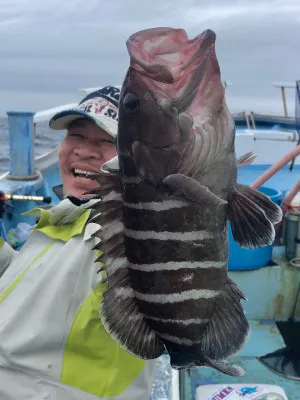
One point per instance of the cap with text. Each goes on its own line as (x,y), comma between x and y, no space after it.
(100,106)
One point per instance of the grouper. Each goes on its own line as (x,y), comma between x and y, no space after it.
(166,200)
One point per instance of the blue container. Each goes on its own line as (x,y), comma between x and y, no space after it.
(244,259)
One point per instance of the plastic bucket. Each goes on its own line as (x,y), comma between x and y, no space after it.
(248,259)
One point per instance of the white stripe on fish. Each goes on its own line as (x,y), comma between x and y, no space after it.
(177,297)
(175,339)
(115,264)
(164,205)
(111,196)
(166,235)
(124,292)
(175,265)
(112,229)
(178,321)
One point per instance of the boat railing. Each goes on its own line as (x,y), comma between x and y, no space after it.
(272,171)
(283,86)
(276,167)
(249,117)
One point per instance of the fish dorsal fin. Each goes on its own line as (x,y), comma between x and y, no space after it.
(119,311)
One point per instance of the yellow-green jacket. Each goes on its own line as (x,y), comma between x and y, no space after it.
(52,342)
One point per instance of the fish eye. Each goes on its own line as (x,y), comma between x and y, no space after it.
(131,103)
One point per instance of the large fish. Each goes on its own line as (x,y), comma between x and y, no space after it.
(165,208)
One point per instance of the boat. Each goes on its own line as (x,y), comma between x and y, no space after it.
(269,276)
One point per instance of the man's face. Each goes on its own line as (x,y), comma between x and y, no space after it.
(85,148)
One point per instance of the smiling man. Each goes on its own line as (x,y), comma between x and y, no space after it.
(91,129)
(85,147)
(53,345)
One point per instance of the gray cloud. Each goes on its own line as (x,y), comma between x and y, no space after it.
(50,48)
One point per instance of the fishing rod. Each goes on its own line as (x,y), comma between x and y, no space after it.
(8,196)
(6,208)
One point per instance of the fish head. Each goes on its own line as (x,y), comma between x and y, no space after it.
(172,82)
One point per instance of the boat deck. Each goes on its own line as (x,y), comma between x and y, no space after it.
(264,338)
(263,308)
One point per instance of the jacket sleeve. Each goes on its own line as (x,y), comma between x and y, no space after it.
(7,254)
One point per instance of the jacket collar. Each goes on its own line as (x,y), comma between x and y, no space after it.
(64,220)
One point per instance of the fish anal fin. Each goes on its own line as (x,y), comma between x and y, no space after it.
(188,188)
(227,331)
(252,216)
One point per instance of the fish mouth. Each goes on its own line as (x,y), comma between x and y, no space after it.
(172,65)
(166,54)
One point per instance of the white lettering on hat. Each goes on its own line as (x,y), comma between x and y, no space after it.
(99,106)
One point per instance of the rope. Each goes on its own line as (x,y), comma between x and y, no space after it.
(25,178)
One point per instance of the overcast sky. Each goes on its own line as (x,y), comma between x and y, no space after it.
(51,48)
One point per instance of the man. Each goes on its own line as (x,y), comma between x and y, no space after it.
(52,342)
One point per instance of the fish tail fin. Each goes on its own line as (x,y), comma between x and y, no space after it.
(253,215)
(227,331)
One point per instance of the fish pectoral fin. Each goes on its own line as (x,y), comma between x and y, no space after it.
(246,159)
(227,330)
(252,215)
(184,186)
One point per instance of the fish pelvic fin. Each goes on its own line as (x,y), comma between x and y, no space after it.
(227,331)
(253,215)
(184,186)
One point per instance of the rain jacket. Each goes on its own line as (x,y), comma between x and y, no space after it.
(52,342)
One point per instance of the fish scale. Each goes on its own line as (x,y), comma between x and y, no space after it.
(165,202)
(166,231)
